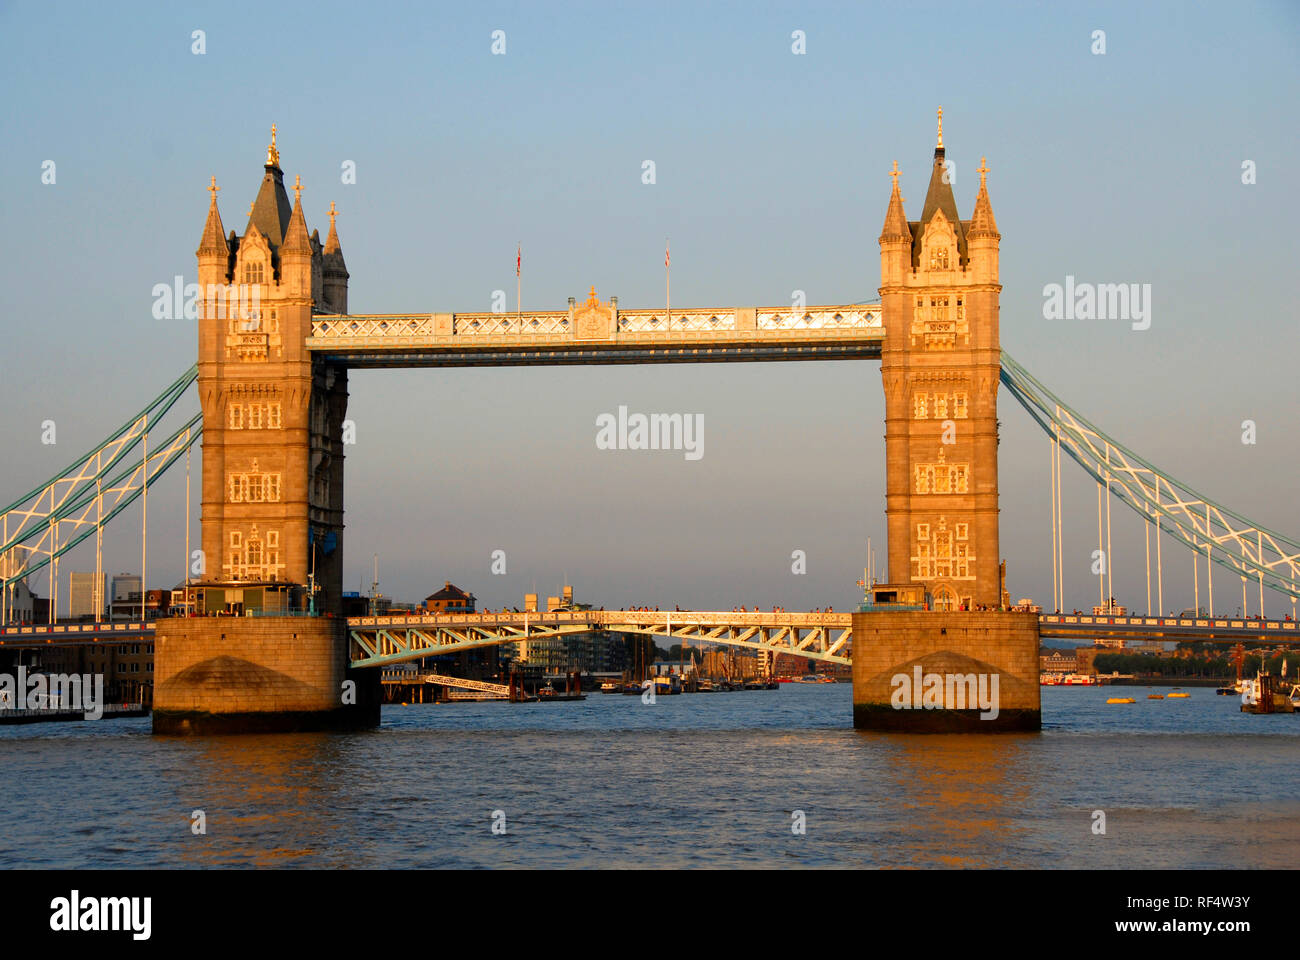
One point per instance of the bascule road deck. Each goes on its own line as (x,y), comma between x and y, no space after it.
(597,332)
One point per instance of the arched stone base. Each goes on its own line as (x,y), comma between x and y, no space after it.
(258,675)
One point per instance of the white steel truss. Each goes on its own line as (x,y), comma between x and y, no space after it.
(53,518)
(379,641)
(1254,553)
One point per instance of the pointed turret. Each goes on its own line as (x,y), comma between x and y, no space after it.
(335,270)
(895,219)
(296,238)
(983,233)
(214,250)
(296,253)
(982,223)
(213,241)
(895,238)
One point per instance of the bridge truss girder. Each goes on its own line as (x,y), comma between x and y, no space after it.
(814,643)
(1253,552)
(379,644)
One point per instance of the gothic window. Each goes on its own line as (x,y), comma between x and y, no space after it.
(255,488)
(943,554)
(959,406)
(923,531)
(236,540)
(253,272)
(963,531)
(918,406)
(236,416)
(939,258)
(273,416)
(961,309)
(941,477)
(253,553)
(941,406)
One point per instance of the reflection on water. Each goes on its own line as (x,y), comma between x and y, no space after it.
(706,780)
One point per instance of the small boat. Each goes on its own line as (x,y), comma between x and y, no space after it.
(1120,700)
(1179,696)
(1155,696)
(609,686)
(548,694)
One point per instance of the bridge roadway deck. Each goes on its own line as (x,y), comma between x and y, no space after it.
(817,635)
(693,335)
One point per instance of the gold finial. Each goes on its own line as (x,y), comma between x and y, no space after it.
(895,173)
(251,205)
(941,126)
(333,213)
(297,188)
(592,297)
(272,152)
(214,189)
(982,171)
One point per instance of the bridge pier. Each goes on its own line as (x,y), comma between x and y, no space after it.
(939,672)
(259,675)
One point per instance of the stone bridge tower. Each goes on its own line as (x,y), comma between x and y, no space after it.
(272,515)
(940,367)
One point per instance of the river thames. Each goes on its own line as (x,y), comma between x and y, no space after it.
(690,781)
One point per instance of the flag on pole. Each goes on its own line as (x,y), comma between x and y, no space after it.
(519,259)
(665,253)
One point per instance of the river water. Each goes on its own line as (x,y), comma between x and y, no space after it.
(689,781)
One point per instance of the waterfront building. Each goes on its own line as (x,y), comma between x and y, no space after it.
(1051,660)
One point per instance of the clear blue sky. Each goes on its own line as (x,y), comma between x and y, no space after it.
(771,177)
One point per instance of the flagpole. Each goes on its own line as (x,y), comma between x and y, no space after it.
(519,267)
(668,286)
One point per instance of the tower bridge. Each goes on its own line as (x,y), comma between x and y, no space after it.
(273,391)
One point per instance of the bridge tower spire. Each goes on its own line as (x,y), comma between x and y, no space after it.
(272,416)
(939,368)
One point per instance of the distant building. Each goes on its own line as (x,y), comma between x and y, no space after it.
(450,599)
(125,602)
(20,604)
(19,601)
(126,586)
(730,664)
(788,665)
(86,595)
(1051,660)
(596,652)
